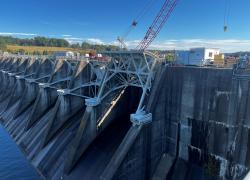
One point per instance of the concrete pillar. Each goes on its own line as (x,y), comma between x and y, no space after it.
(66,107)
(121,152)
(86,132)
(45,100)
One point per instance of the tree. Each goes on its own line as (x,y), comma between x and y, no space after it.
(77,45)
(21,51)
(36,53)
(169,57)
(45,52)
(2,45)
(53,42)
(86,45)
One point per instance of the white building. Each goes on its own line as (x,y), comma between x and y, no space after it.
(5,53)
(99,55)
(196,56)
(64,54)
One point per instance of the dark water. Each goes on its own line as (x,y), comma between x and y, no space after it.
(13,165)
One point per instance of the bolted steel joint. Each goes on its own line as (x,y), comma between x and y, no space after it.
(92,102)
(141,118)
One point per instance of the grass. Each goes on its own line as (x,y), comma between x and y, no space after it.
(41,49)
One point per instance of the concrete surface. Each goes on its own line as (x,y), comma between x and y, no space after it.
(200,127)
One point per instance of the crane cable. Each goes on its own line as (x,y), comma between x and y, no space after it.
(137,20)
(227,13)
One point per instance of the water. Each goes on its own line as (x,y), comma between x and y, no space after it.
(13,165)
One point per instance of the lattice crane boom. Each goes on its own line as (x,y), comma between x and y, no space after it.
(157,24)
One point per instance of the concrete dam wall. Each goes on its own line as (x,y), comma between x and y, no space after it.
(199,129)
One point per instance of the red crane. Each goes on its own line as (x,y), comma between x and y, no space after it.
(157,24)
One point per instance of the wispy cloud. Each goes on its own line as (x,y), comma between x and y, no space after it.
(17,34)
(66,35)
(226,45)
(95,41)
(73,40)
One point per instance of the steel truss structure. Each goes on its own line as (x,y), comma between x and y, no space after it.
(127,68)
(89,89)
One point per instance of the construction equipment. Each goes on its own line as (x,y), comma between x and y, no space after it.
(158,24)
(134,24)
(226,14)
(122,38)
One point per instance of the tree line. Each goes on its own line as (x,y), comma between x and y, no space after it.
(52,42)
(36,41)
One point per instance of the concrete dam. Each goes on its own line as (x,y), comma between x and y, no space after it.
(130,117)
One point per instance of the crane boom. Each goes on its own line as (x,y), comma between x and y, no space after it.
(157,24)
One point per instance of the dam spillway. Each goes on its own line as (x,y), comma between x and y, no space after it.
(199,127)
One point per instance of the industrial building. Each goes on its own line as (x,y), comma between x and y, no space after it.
(65,54)
(196,56)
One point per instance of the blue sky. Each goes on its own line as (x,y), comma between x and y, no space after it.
(193,23)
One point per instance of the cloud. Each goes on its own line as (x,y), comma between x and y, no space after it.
(17,34)
(95,41)
(66,35)
(226,45)
(74,40)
